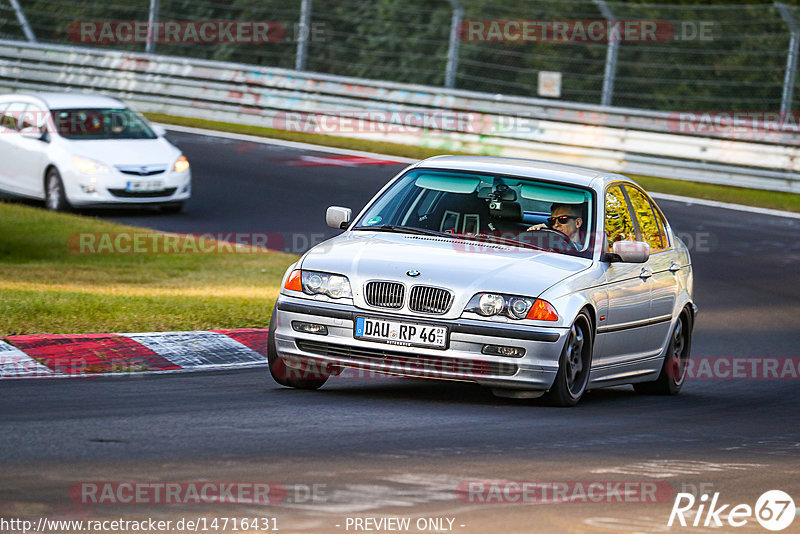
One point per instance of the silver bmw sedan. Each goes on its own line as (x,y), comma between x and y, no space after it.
(531,278)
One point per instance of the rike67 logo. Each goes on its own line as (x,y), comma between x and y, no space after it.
(774,510)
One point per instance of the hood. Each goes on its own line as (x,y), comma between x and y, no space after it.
(114,152)
(466,267)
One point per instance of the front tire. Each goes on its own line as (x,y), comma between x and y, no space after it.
(55,198)
(283,374)
(574,365)
(676,361)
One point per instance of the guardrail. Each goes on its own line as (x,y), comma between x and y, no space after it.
(615,139)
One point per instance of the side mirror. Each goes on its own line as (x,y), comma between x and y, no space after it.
(338,217)
(38,135)
(630,252)
(158,130)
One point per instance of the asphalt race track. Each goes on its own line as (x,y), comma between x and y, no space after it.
(400,448)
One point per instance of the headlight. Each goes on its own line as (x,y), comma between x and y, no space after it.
(490,304)
(89,166)
(514,307)
(182,165)
(316,283)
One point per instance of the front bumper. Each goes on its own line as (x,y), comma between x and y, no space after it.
(462,360)
(110,189)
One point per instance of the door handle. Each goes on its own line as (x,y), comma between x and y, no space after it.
(646,273)
(674,268)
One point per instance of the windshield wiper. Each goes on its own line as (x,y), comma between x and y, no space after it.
(404,230)
(499,239)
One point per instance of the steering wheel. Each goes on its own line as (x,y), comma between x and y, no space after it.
(561,235)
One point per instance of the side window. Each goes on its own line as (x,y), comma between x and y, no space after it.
(11,116)
(650,224)
(618,223)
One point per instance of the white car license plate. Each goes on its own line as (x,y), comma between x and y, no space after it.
(145,186)
(401,333)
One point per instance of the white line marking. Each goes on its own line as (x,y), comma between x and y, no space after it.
(726,205)
(16,364)
(671,468)
(399,159)
(198,349)
(288,144)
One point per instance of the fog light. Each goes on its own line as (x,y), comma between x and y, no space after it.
(310,328)
(88,189)
(500,350)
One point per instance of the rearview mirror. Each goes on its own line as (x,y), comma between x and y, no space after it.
(338,217)
(631,251)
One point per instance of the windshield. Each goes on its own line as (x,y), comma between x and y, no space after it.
(508,209)
(85,124)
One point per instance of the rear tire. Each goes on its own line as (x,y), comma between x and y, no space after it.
(676,360)
(574,365)
(282,374)
(55,199)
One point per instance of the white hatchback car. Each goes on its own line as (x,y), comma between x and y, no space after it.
(72,149)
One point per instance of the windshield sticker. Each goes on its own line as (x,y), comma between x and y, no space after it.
(373,220)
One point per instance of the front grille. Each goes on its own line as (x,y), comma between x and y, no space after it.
(385,294)
(428,299)
(141,171)
(411,365)
(142,194)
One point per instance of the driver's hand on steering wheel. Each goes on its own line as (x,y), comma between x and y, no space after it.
(540,226)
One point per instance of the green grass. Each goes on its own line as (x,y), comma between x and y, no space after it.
(736,195)
(45,287)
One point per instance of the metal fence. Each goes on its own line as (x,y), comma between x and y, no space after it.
(614,139)
(703,56)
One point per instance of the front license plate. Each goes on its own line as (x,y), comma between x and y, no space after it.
(401,333)
(141,187)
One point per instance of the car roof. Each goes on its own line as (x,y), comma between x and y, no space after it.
(529,168)
(68,100)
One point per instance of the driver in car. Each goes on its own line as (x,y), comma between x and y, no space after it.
(565,218)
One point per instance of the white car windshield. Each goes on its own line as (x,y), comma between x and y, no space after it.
(85,124)
(513,210)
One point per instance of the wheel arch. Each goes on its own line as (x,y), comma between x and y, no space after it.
(592,313)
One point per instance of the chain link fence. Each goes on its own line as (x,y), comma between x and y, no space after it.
(700,56)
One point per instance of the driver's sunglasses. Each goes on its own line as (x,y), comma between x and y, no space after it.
(562,219)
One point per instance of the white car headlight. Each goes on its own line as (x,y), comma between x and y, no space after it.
(181,165)
(89,166)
